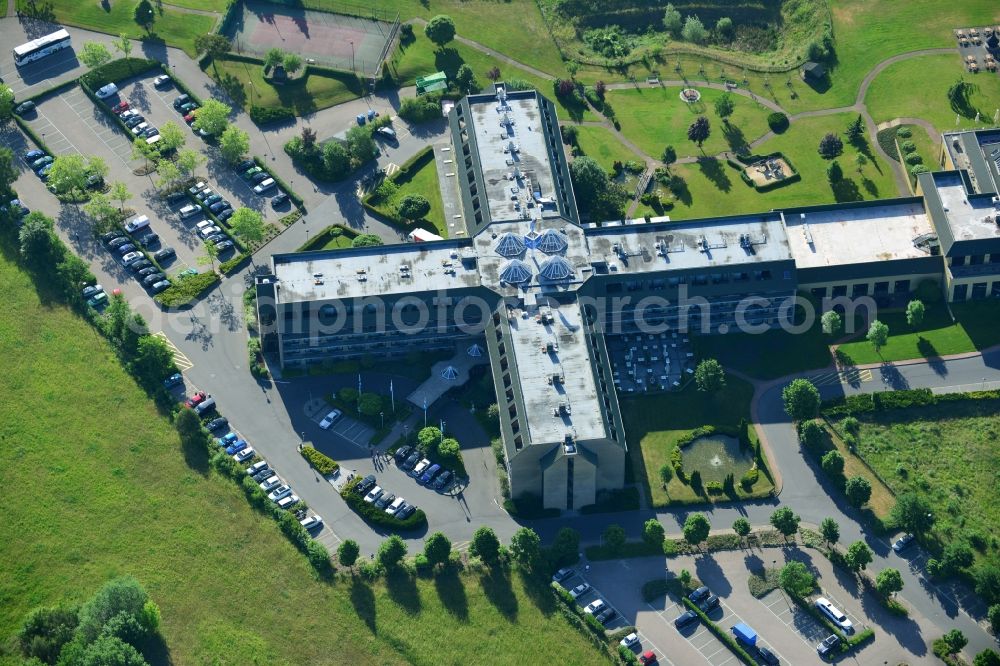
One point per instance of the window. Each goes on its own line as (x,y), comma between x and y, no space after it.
(901,287)
(860,289)
(979,291)
(960,292)
(976,259)
(787,275)
(882,287)
(819,292)
(958,261)
(995,293)
(840,290)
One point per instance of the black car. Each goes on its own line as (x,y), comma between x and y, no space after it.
(148,270)
(110,236)
(24,108)
(149,240)
(176,197)
(118,241)
(224,246)
(686,618)
(411,462)
(767,656)
(405,511)
(225,214)
(165,253)
(217,424)
(217,238)
(607,615)
(141,264)
(152,131)
(699,594)
(260,176)
(132,121)
(159,286)
(443,480)
(181,101)
(219,206)
(365,484)
(709,604)
(402,452)
(279,200)
(153,278)
(244,166)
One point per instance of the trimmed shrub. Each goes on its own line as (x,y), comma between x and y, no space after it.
(116,70)
(904,132)
(778,122)
(913,158)
(321,463)
(908,146)
(186,290)
(263,115)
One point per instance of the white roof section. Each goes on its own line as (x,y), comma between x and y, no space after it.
(514,158)
(548,343)
(969,220)
(857,235)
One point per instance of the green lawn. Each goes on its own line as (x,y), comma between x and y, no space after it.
(654,423)
(245,83)
(600,144)
(918,88)
(114,494)
(948,454)
(174,27)
(654,118)
(974,329)
(423,181)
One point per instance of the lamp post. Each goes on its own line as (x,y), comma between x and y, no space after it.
(352,56)
(382,416)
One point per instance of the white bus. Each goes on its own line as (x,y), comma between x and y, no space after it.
(41,47)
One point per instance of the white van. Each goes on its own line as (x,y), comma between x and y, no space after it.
(188,211)
(106,91)
(136,223)
(264,186)
(835,615)
(153,140)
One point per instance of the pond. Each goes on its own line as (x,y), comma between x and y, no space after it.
(715,456)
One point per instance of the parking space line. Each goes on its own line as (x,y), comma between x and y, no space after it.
(180,360)
(81,101)
(52,129)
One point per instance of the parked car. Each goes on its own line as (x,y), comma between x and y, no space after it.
(263,475)
(188,108)
(133,121)
(259,177)
(395,506)
(606,615)
(288,502)
(153,278)
(43,173)
(196,188)
(629,641)
(224,245)
(132,257)
(595,606)
(219,206)
(385,500)
(212,198)
(386,133)
(410,461)
(365,484)
(264,186)
(443,480)
(150,133)
(903,542)
(270,483)
(827,647)
(420,468)
(330,419)
(709,604)
(311,523)
(119,107)
(579,590)
(244,165)
(203,194)
(24,108)
(136,223)
(117,242)
(181,101)
(140,128)
(244,455)
(836,615)
(647,658)
(224,214)
(173,380)
(189,118)
(175,198)
(140,264)
(279,200)
(374,494)
(159,286)
(257,468)
(128,113)
(562,574)
(106,91)
(249,173)
(217,424)
(208,231)
(94,181)
(41,162)
(699,594)
(97,300)
(126,248)
(685,618)
(402,452)
(162,81)
(405,511)
(165,253)
(197,398)
(215,238)
(149,240)
(227,439)
(767,656)
(32,155)
(91,290)
(149,270)
(280,493)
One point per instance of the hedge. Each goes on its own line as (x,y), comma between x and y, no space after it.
(321,463)
(116,70)
(414,163)
(49,91)
(902,399)
(847,643)
(794,178)
(234,264)
(324,237)
(263,115)
(180,85)
(586,623)
(721,634)
(186,290)
(296,199)
(37,140)
(372,514)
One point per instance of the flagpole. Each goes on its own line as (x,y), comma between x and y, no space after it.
(392,396)
(359,393)
(425,412)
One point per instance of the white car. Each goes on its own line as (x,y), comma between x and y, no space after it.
(106,91)
(630,640)
(835,614)
(136,223)
(244,455)
(201,224)
(374,494)
(270,484)
(420,468)
(579,590)
(141,127)
(311,523)
(211,229)
(264,186)
(288,502)
(280,493)
(330,419)
(257,468)
(396,505)
(131,258)
(595,606)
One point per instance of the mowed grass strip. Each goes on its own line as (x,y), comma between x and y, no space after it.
(424,181)
(316,90)
(604,147)
(105,490)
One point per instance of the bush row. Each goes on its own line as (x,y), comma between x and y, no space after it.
(723,635)
(296,199)
(181,86)
(186,290)
(58,88)
(323,464)
(37,140)
(264,115)
(117,70)
(327,235)
(586,623)
(372,514)
(902,399)
(234,264)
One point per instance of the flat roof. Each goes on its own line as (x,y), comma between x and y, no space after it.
(970,218)
(532,328)
(840,236)
(380,271)
(492,263)
(512,177)
(695,244)
(977,152)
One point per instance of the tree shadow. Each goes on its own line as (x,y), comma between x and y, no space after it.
(363,600)
(452,593)
(713,169)
(707,569)
(846,189)
(496,585)
(233,87)
(156,651)
(736,139)
(870,187)
(403,590)
(536,586)
(448,61)
(930,352)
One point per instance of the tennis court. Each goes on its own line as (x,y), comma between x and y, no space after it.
(356,40)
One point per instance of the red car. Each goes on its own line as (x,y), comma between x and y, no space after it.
(196,399)
(119,107)
(647,657)
(189,118)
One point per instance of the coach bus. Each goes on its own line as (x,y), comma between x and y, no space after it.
(41,47)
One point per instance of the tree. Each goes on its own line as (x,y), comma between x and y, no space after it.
(391,552)
(366,240)
(669,155)
(213,116)
(485,545)
(987,577)
(830,146)
(361,145)
(6,102)
(742,527)
(811,434)
(878,334)
(144,14)
(858,556)
(888,582)
(588,178)
(526,548)
(957,555)
(234,144)
(601,88)
(96,166)
(699,130)
(308,138)
(144,151)
(119,192)
(414,207)
(858,490)
(493,74)
(292,63)
(724,28)
(449,448)
(566,547)
(696,528)
(796,579)
(785,521)
(336,160)
(915,313)
(211,254)
(119,595)
(171,136)
(709,376)
(347,552)
(153,360)
(100,209)
(167,173)
(124,45)
(614,537)
(188,159)
(248,225)
(466,81)
(36,239)
(694,30)
(440,30)
(45,631)
(653,533)
(211,45)
(437,549)
(831,323)
(860,161)
(94,54)
(672,21)
(724,106)
(273,57)
(834,173)
(801,398)
(955,640)
(666,473)
(108,650)
(68,173)
(830,531)
(987,657)
(833,464)
(993,614)
(856,129)
(428,438)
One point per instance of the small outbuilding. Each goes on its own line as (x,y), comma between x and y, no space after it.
(813,71)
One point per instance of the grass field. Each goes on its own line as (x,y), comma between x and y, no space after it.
(600,144)
(918,88)
(114,494)
(656,422)
(882,499)
(245,83)
(974,329)
(929,149)
(423,181)
(948,454)
(174,27)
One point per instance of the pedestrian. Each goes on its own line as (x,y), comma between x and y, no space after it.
(587,568)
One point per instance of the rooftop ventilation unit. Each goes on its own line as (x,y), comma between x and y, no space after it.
(555,268)
(509,245)
(515,271)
